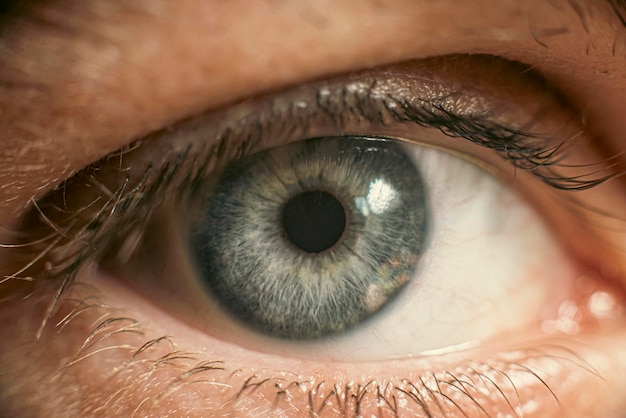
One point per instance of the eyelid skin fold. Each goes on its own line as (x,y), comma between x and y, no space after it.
(103,210)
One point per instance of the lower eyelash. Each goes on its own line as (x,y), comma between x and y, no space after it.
(469,389)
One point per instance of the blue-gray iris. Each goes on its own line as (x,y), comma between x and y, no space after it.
(309,239)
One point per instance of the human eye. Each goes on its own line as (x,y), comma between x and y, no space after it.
(173,223)
(345,152)
(479,208)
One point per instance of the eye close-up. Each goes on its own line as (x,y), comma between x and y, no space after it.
(423,220)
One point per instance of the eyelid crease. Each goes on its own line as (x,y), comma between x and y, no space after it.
(108,203)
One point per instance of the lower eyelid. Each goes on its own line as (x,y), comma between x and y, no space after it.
(123,360)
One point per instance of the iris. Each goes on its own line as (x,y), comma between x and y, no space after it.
(310,239)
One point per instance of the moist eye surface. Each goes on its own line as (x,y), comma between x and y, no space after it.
(310,239)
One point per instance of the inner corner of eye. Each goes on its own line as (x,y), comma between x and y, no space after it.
(352,243)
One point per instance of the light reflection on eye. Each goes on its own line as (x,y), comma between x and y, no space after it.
(150,185)
(378,199)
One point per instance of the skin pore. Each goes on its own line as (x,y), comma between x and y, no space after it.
(81,79)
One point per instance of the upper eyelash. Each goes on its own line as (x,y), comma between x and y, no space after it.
(114,212)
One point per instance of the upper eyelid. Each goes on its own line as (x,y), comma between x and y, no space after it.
(365,100)
(457,110)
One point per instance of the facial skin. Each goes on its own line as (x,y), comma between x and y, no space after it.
(80,80)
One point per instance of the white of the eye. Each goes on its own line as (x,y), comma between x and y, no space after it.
(491,266)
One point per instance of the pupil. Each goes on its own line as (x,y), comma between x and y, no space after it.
(314,221)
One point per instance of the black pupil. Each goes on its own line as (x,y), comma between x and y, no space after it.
(314,221)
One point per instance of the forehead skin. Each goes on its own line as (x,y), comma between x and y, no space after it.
(103,73)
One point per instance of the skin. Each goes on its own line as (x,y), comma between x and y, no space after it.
(75,95)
